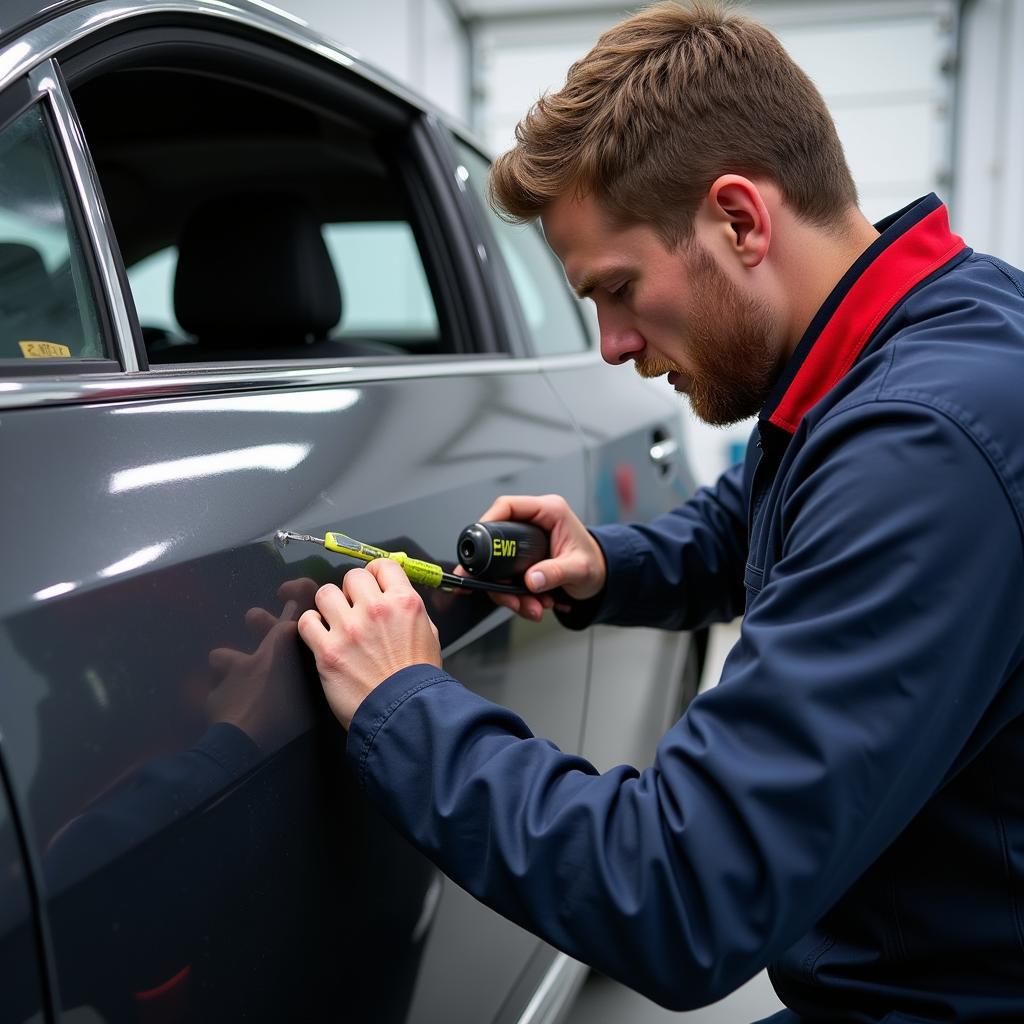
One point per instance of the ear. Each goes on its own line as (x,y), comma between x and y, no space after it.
(736,205)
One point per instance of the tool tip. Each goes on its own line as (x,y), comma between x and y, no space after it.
(281,538)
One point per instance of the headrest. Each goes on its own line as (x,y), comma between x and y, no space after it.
(253,269)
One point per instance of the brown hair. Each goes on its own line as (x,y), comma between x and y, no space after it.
(667,101)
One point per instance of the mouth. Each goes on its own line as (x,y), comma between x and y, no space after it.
(677,380)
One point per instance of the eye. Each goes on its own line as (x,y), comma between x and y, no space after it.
(622,291)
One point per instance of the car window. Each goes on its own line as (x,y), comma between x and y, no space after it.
(385,294)
(549,306)
(257,228)
(47,309)
(386,290)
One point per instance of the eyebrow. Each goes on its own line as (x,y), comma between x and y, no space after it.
(586,286)
(593,280)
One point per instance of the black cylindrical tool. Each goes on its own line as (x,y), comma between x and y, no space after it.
(501,550)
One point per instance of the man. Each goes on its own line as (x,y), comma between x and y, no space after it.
(846,805)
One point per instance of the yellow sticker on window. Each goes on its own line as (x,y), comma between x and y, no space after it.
(44,350)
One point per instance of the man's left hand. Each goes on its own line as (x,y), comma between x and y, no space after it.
(366,630)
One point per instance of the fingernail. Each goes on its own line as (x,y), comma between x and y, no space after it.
(538,580)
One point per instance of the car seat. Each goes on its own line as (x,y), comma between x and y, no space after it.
(26,299)
(255,281)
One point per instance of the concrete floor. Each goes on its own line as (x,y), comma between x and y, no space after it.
(602,1001)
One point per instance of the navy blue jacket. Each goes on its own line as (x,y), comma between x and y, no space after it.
(847,805)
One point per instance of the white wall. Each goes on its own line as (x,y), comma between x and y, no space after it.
(421,43)
(989,197)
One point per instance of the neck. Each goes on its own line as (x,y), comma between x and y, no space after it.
(816,263)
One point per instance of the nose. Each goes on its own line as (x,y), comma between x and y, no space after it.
(620,343)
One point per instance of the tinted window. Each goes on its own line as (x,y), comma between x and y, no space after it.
(258,228)
(549,306)
(47,309)
(384,291)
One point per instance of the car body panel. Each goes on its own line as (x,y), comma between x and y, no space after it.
(640,679)
(153,537)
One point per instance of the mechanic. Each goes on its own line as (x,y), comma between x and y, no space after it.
(846,806)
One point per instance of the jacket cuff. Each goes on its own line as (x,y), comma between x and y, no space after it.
(622,559)
(380,704)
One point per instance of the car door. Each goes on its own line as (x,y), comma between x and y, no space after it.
(204,851)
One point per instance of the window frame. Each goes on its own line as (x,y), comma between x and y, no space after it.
(77,28)
(509,294)
(32,90)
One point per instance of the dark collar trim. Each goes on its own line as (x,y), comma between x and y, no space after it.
(915,243)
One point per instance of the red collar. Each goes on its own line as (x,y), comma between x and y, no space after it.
(914,244)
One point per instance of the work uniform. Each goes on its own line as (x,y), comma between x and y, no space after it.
(847,805)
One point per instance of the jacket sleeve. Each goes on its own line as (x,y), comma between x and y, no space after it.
(683,570)
(864,666)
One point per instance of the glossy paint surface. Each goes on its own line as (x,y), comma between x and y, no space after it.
(149,544)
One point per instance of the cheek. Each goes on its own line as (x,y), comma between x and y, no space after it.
(668,326)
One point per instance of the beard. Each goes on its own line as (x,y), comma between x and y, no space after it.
(732,369)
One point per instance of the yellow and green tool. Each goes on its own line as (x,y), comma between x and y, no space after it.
(419,571)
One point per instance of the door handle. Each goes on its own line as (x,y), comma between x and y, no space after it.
(663,451)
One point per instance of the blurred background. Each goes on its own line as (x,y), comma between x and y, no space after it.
(927,95)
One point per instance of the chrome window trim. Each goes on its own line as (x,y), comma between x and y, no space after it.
(45,84)
(32,54)
(31,392)
(43,42)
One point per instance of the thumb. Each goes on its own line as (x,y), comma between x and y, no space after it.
(553,572)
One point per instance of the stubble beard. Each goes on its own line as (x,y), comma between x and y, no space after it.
(732,365)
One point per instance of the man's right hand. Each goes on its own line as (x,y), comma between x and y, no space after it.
(576,562)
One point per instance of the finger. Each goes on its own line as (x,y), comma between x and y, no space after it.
(388,574)
(360,585)
(260,621)
(311,628)
(332,604)
(514,506)
(290,611)
(553,572)
(510,601)
(531,608)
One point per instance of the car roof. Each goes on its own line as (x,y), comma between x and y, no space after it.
(16,15)
(20,16)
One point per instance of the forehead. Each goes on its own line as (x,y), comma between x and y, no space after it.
(573,223)
(590,242)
